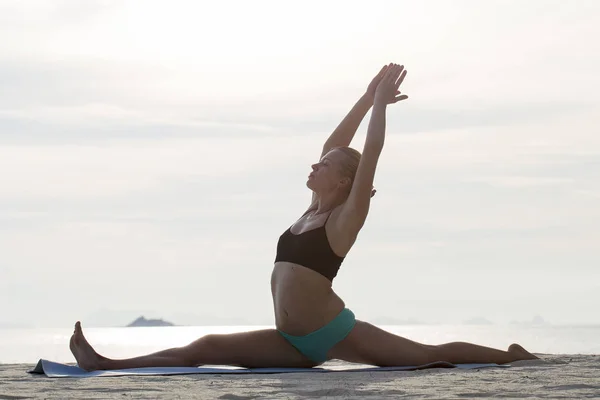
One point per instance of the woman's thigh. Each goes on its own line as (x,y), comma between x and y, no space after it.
(260,348)
(367,344)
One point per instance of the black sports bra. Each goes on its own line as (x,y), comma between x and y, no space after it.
(309,249)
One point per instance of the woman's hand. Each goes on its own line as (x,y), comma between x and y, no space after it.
(375,82)
(387,90)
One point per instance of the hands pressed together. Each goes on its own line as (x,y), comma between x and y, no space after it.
(383,89)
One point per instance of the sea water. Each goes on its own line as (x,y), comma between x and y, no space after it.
(29,345)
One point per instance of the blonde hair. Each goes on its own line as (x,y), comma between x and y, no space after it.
(349,167)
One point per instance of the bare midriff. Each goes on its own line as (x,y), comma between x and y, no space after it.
(304,300)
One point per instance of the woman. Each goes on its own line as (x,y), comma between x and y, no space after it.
(313,324)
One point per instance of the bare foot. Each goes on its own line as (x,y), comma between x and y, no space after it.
(86,356)
(520,353)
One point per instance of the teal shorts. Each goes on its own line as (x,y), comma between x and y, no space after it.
(317,344)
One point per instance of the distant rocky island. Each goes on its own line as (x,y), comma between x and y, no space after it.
(141,321)
(397,321)
(536,321)
(478,321)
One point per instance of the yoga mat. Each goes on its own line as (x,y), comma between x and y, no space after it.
(56,370)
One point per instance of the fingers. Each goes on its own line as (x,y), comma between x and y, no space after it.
(401,79)
(384,71)
(393,76)
(392,73)
(389,72)
(381,72)
(397,72)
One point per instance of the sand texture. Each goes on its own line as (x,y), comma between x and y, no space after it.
(552,377)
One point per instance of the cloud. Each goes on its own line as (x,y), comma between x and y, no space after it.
(520,181)
(129,69)
(155,167)
(37,80)
(591,193)
(108,116)
(93,122)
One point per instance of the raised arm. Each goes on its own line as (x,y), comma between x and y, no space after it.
(345,131)
(355,209)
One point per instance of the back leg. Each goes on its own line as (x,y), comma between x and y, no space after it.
(367,344)
(260,348)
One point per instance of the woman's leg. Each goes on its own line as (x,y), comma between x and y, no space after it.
(368,344)
(261,348)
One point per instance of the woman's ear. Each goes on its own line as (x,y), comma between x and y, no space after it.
(345,182)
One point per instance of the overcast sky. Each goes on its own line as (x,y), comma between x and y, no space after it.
(152,152)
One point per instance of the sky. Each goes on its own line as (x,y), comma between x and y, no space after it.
(151,153)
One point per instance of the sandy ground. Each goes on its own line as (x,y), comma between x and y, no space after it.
(553,377)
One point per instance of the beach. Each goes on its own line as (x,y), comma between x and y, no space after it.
(551,377)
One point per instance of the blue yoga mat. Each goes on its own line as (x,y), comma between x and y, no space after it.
(56,370)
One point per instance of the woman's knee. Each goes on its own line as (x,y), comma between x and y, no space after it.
(447,351)
(209,343)
(202,350)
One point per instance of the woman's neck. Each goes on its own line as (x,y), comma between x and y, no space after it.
(327,202)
